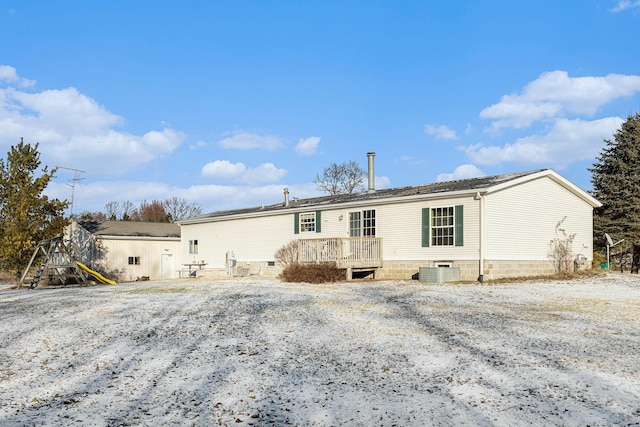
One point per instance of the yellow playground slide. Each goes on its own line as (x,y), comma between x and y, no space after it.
(95,274)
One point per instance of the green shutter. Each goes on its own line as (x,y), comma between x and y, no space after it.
(296,223)
(318,221)
(459,221)
(426,227)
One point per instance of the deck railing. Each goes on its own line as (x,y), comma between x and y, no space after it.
(347,252)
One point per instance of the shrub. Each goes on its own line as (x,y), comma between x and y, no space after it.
(288,254)
(313,273)
(561,250)
(598,258)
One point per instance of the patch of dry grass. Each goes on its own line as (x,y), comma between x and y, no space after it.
(160,290)
(582,274)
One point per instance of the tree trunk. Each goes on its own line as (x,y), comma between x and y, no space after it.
(635,260)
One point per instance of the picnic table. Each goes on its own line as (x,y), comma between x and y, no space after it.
(193,267)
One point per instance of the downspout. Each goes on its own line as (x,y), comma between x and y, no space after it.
(481,233)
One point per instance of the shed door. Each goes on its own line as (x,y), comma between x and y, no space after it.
(166,266)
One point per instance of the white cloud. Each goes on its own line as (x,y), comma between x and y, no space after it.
(241,140)
(74,131)
(266,172)
(8,74)
(198,144)
(381,181)
(223,169)
(94,196)
(111,151)
(412,160)
(66,109)
(567,141)
(555,94)
(308,146)
(469,129)
(440,132)
(461,172)
(624,5)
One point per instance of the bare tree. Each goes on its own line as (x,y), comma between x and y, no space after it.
(169,210)
(112,210)
(128,210)
(341,178)
(178,209)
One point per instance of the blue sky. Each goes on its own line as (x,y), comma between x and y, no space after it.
(225,103)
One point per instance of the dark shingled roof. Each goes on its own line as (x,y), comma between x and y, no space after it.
(438,187)
(131,228)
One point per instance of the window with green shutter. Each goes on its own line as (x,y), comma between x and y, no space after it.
(443,226)
(306,222)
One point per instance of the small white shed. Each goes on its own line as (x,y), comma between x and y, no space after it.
(130,250)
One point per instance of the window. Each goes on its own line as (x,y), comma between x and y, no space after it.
(443,226)
(134,260)
(193,247)
(362,223)
(355,226)
(369,223)
(308,222)
(445,264)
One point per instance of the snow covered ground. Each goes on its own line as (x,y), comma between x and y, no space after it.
(257,352)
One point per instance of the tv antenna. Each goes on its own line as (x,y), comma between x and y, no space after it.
(610,244)
(74,180)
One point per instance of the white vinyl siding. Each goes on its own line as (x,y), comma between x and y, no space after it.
(521,220)
(147,253)
(250,239)
(400,227)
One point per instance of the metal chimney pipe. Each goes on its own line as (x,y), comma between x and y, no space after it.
(286,197)
(371,174)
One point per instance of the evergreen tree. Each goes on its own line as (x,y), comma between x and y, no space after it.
(26,215)
(616,184)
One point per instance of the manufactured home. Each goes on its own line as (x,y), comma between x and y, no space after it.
(130,250)
(485,228)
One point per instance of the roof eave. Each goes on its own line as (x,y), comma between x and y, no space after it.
(556,177)
(343,205)
(148,238)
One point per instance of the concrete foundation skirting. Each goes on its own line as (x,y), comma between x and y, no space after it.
(405,270)
(469,270)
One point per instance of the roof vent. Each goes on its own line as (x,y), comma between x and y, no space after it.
(286,197)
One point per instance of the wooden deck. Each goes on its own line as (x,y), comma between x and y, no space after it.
(350,253)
